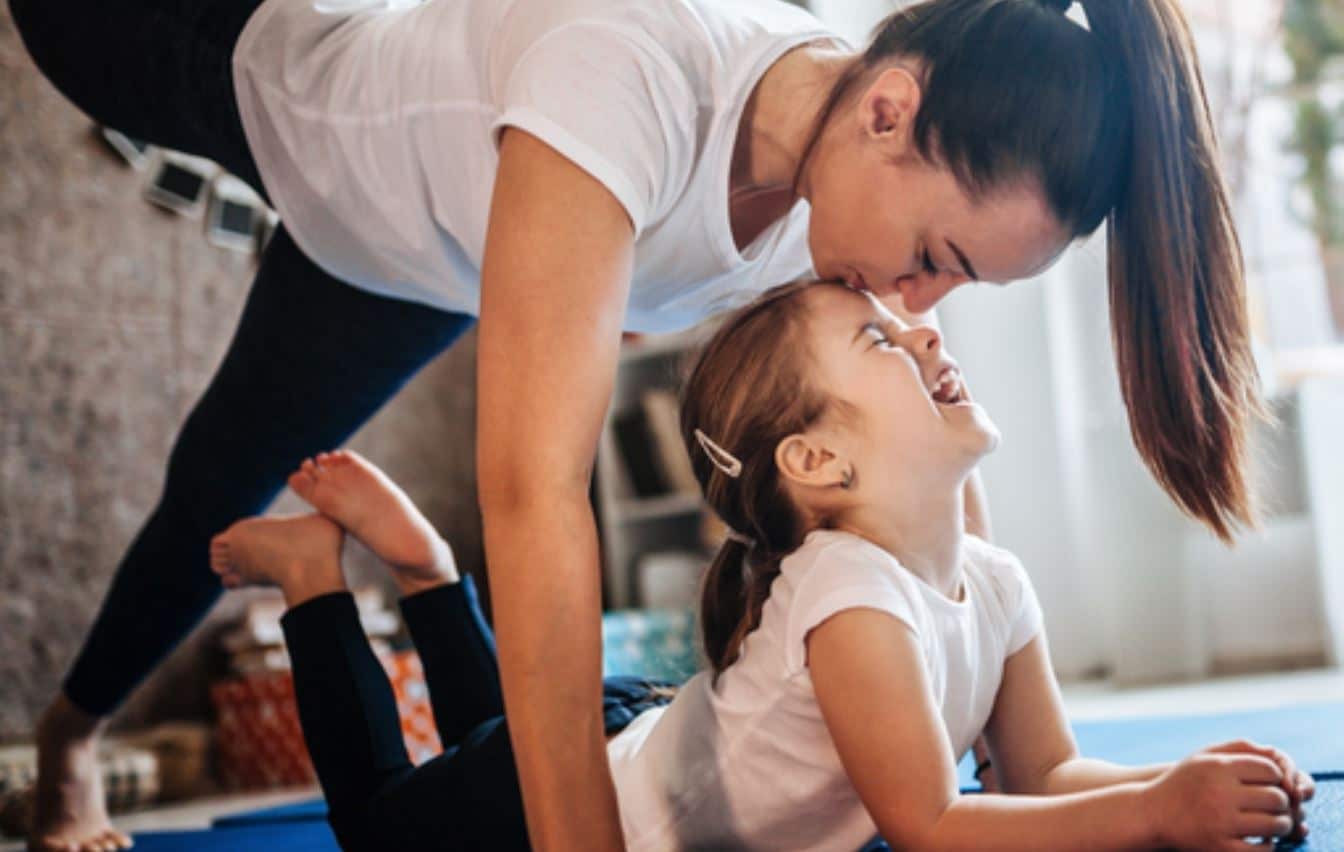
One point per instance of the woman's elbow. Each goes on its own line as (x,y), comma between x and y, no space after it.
(510,481)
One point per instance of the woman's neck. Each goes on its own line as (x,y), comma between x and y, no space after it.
(925,533)
(778,119)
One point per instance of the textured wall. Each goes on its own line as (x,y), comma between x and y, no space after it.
(112,317)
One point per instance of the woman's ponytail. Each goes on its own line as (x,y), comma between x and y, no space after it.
(1111,121)
(1177,288)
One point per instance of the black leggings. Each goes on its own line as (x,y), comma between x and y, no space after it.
(312,358)
(466,798)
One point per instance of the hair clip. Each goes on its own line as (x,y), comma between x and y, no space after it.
(722,459)
(745,540)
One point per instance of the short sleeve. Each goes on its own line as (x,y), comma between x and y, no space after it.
(845,578)
(612,104)
(1027,622)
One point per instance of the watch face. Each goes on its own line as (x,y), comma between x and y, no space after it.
(236,218)
(180,182)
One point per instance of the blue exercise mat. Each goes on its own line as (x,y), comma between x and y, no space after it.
(293,836)
(1311,733)
(312,809)
(1325,817)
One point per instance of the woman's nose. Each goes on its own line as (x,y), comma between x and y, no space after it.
(921,293)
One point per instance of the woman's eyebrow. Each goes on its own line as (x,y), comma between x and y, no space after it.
(963,260)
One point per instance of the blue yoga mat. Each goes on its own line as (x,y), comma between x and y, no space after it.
(313,809)
(292,836)
(1311,733)
(1325,816)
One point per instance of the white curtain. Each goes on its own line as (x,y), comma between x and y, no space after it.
(1130,587)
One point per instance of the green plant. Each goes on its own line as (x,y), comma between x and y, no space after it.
(1313,35)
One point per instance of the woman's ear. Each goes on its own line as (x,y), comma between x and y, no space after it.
(888,108)
(805,460)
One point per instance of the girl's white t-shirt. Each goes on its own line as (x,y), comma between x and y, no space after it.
(748,763)
(375,125)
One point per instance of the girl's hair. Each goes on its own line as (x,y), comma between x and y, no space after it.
(748,390)
(1112,124)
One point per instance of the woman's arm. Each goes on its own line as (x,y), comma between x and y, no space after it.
(555,280)
(868,672)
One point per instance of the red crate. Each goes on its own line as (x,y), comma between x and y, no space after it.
(260,741)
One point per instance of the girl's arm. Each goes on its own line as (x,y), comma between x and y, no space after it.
(1034,750)
(1030,739)
(868,672)
(555,279)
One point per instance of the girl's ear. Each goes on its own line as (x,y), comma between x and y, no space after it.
(887,111)
(804,459)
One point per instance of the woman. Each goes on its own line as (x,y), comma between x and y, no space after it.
(610,165)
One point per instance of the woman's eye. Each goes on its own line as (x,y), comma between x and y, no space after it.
(927,261)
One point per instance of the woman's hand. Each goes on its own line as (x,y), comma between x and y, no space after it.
(1299,786)
(1215,800)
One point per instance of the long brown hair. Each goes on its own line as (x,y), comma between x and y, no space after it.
(747,391)
(1112,123)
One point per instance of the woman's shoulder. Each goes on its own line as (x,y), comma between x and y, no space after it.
(703,42)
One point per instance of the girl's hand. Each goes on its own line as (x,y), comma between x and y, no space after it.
(1299,786)
(1215,800)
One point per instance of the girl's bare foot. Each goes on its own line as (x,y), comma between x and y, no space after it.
(300,553)
(350,490)
(69,811)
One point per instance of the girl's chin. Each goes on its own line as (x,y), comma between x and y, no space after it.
(972,420)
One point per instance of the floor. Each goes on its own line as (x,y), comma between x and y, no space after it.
(1089,700)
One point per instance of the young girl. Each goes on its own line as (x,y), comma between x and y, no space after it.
(858,640)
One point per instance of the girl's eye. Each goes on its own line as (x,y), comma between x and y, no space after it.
(879,337)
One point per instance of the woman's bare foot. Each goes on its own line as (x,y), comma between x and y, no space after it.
(69,810)
(300,553)
(350,490)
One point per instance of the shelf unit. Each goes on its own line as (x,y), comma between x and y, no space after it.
(631,526)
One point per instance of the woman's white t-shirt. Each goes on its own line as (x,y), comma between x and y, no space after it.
(747,762)
(375,123)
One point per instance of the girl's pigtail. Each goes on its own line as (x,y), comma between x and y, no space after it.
(723,603)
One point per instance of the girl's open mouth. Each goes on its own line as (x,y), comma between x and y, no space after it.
(947,389)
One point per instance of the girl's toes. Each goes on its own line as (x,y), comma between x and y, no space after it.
(300,481)
(310,468)
(340,457)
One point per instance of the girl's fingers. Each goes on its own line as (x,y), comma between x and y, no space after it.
(1271,800)
(1306,786)
(1254,769)
(1252,824)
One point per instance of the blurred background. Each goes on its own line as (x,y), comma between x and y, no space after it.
(113,313)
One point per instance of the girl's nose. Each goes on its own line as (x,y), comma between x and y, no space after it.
(923,340)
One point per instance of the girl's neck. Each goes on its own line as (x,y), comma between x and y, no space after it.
(926,534)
